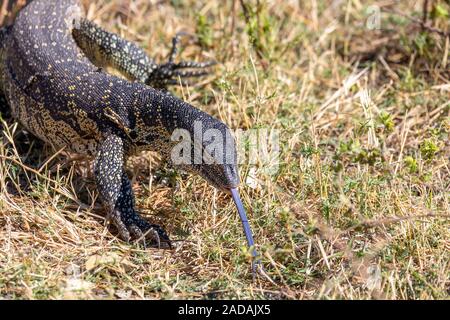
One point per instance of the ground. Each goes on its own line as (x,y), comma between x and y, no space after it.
(358,207)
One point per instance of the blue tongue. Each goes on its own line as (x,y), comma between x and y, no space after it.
(247,230)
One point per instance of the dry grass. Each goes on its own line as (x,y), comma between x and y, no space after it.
(359,208)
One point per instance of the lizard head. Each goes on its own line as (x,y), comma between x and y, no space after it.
(209,151)
(191,139)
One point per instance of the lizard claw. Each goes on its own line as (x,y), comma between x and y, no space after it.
(139,229)
(154,233)
(113,217)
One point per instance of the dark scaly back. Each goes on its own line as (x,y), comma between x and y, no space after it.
(41,41)
(65,96)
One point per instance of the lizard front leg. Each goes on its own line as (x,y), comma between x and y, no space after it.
(108,49)
(116,192)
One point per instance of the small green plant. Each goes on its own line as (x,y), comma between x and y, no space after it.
(421,42)
(204,31)
(385,119)
(411,164)
(440,12)
(428,149)
(259,27)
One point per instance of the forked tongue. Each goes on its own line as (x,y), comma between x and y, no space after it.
(247,230)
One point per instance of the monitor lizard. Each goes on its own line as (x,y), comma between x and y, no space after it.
(51,72)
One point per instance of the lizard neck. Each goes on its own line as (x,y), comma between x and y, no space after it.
(163,120)
(164,113)
(173,113)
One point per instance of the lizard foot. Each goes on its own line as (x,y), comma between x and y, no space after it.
(171,73)
(135,227)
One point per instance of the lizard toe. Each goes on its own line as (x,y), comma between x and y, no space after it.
(114,217)
(143,231)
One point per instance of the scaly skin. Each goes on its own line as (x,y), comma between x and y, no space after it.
(50,75)
(107,49)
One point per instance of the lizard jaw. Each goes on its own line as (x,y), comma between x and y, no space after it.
(216,181)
